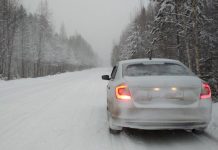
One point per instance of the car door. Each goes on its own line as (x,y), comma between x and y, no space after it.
(110,90)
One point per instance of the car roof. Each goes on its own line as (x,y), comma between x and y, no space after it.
(130,61)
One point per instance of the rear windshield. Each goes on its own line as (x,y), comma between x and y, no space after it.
(164,69)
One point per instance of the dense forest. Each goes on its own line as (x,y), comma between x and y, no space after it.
(29,46)
(186,30)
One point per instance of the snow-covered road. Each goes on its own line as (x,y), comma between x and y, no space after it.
(68,112)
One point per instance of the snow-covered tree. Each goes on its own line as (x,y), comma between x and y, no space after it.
(63,33)
(135,41)
(30,48)
(186,30)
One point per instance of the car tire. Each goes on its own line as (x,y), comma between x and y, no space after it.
(199,130)
(112,128)
(112,131)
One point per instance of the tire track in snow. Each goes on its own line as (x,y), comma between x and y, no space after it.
(16,123)
(207,140)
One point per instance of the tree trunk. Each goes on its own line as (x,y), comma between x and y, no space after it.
(188,53)
(22,53)
(195,30)
(177,31)
(39,54)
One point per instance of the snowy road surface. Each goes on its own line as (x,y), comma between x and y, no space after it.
(68,112)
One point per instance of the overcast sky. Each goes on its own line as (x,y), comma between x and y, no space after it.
(100,22)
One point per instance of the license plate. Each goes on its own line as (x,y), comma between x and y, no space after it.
(168,95)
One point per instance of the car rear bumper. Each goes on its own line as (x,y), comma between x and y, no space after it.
(161,118)
(158,125)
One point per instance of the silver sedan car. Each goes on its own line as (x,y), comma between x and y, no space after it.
(157,94)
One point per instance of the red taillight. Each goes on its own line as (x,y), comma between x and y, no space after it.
(123,93)
(206,91)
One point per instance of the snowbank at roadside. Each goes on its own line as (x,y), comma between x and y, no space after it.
(213,128)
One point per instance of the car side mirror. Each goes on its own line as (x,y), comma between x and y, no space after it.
(105,77)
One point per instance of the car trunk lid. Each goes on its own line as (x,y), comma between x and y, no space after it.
(165,91)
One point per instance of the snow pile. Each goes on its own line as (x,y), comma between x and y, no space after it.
(215,113)
(213,128)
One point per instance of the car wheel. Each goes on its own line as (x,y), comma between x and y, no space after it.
(199,130)
(112,131)
(112,128)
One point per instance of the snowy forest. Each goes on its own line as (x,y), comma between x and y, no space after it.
(185,30)
(29,46)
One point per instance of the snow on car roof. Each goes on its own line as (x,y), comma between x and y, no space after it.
(147,60)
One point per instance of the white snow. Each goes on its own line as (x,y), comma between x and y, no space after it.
(68,112)
(213,129)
